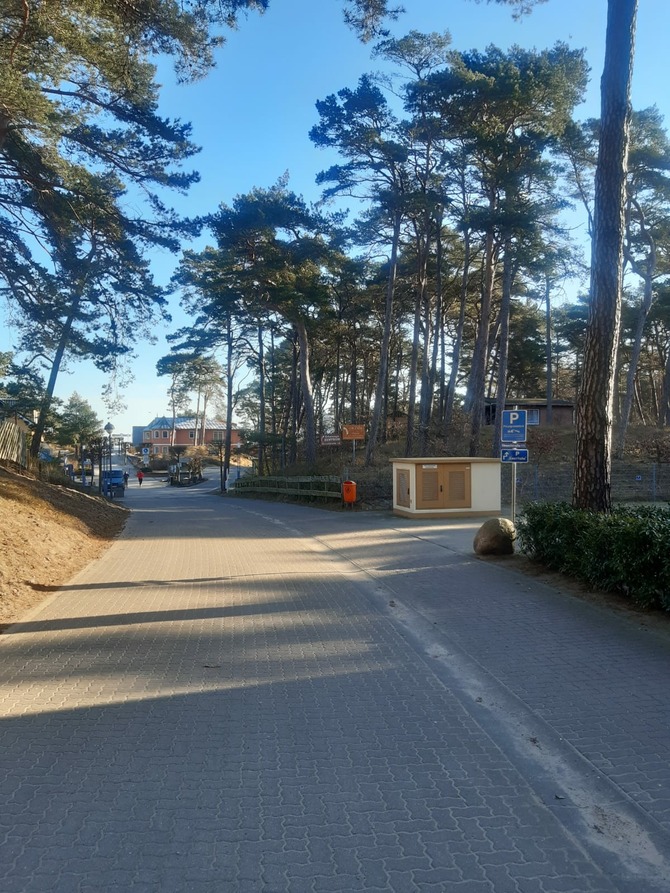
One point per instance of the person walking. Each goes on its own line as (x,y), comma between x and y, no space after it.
(140,477)
(126,478)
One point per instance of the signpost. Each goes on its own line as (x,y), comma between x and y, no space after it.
(353,432)
(514,428)
(330,440)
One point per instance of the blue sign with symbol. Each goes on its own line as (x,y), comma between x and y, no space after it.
(513,426)
(514,455)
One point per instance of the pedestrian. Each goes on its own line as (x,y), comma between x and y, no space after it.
(126,478)
(140,477)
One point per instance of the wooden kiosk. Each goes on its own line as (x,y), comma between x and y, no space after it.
(444,486)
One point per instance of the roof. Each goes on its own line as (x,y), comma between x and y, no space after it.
(183,423)
(528,401)
(8,408)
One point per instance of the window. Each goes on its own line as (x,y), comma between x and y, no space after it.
(191,434)
(156,433)
(533,417)
(165,434)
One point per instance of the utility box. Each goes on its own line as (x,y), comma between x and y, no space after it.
(446,486)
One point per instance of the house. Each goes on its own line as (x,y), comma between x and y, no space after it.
(164,433)
(562,411)
(9,411)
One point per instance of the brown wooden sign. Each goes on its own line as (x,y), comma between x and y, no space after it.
(353,432)
(330,440)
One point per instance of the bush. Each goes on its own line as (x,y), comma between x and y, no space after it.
(625,552)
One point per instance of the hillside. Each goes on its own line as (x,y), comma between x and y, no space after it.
(47,534)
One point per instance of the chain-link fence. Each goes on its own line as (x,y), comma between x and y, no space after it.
(547,482)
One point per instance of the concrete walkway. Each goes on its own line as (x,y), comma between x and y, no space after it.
(241,696)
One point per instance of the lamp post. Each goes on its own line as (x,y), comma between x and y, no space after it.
(109,428)
(219,443)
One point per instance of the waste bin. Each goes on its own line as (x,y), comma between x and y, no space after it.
(349,492)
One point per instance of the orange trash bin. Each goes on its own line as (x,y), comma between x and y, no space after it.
(349,492)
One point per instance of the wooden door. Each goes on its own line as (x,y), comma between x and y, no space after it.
(457,486)
(440,486)
(402,487)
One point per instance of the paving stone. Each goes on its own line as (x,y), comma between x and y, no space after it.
(224,698)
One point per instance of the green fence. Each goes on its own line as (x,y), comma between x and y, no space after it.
(325,487)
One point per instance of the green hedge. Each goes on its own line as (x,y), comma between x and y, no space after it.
(627,552)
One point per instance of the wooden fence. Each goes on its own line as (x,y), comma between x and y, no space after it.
(324,487)
(13,445)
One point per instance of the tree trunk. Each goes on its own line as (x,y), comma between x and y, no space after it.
(45,406)
(307,395)
(293,451)
(373,433)
(548,352)
(203,424)
(196,420)
(653,392)
(504,346)
(430,359)
(458,342)
(261,403)
(230,384)
(646,270)
(353,395)
(414,359)
(477,384)
(593,454)
(635,354)
(664,408)
(273,402)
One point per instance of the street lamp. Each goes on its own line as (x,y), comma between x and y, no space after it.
(109,428)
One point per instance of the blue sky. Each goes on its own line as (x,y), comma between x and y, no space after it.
(253,113)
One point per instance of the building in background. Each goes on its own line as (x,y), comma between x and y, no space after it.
(562,411)
(164,433)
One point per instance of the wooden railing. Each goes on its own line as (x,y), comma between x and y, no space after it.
(324,487)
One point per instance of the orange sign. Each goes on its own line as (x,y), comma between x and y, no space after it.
(353,432)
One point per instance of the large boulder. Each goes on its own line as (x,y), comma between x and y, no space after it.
(495,537)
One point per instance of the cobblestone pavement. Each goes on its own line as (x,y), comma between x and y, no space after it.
(241,696)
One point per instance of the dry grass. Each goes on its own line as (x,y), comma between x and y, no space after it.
(47,534)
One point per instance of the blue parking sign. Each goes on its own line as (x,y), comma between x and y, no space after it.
(513,455)
(513,426)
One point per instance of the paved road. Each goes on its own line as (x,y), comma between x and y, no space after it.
(241,696)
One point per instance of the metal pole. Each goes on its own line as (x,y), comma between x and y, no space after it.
(223,487)
(109,428)
(653,482)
